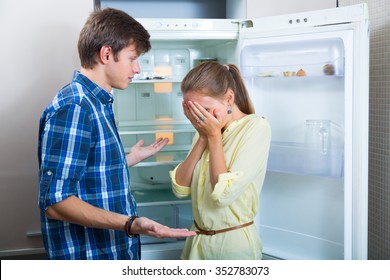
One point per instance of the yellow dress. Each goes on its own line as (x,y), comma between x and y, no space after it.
(235,199)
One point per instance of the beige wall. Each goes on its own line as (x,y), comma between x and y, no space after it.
(39,54)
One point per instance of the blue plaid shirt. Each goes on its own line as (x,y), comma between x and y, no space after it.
(80,154)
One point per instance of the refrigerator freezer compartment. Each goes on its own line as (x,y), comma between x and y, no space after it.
(296,158)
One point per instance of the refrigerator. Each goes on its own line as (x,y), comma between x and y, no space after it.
(307,74)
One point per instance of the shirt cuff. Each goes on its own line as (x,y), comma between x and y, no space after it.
(178,190)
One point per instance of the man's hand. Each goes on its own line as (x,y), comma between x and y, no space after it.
(139,153)
(146,226)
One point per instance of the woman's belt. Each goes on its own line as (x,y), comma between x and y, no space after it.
(212,232)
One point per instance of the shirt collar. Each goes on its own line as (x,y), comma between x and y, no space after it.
(104,96)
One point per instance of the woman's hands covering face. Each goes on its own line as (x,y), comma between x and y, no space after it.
(206,122)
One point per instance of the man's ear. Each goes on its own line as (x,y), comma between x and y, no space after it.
(105,53)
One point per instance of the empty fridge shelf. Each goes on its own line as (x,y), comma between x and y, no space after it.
(298,159)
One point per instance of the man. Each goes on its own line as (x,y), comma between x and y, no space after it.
(87,210)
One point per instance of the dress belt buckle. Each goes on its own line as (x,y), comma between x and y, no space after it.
(209,232)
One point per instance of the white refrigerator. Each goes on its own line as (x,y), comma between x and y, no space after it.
(307,73)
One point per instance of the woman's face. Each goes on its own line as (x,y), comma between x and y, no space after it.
(211,104)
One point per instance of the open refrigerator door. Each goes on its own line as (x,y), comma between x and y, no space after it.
(308,75)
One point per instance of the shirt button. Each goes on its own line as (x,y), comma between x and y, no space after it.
(49,173)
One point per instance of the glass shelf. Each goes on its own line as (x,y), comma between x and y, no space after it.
(296,158)
(158,196)
(164,158)
(149,81)
(334,68)
(153,128)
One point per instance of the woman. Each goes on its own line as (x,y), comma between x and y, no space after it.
(225,168)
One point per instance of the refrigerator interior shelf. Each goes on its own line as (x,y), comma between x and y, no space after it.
(296,158)
(162,80)
(160,194)
(300,245)
(156,163)
(164,158)
(150,129)
(153,125)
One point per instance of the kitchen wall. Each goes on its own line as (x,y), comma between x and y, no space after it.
(379,150)
(39,54)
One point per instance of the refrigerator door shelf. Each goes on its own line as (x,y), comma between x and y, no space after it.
(323,69)
(297,158)
(314,57)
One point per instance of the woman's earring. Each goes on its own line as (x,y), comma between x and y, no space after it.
(229,111)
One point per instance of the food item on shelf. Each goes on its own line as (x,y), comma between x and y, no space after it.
(289,73)
(267,74)
(301,73)
(328,69)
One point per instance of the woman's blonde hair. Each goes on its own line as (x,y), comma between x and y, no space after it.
(215,79)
